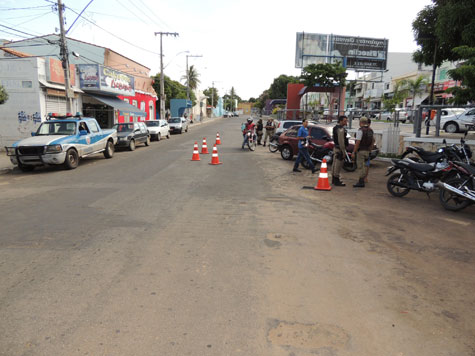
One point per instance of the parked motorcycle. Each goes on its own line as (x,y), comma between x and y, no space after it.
(461,153)
(415,176)
(459,192)
(319,152)
(274,143)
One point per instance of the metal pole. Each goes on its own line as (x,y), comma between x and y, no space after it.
(437,122)
(434,67)
(187,82)
(162,79)
(212,96)
(65,59)
(419,122)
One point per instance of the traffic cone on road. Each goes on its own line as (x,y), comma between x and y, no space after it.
(323,183)
(214,157)
(204,147)
(218,140)
(196,154)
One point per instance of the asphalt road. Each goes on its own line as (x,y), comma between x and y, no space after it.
(150,253)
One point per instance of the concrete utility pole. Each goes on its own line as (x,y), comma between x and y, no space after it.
(162,82)
(212,95)
(65,60)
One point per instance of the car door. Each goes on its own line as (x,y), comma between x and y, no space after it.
(96,137)
(144,131)
(85,141)
(468,117)
(164,128)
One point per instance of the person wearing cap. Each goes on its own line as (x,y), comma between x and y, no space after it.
(363,145)
(339,152)
(270,130)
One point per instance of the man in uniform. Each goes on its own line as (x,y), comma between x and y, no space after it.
(363,145)
(270,130)
(303,137)
(339,152)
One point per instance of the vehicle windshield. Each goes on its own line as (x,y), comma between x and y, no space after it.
(175,120)
(57,128)
(151,123)
(124,127)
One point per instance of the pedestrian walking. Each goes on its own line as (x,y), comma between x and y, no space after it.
(270,130)
(363,145)
(259,131)
(303,137)
(339,152)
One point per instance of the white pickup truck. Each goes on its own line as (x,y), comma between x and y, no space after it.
(62,140)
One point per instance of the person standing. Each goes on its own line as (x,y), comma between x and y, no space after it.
(303,137)
(368,161)
(339,152)
(270,130)
(363,145)
(260,131)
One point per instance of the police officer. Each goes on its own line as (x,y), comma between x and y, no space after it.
(339,152)
(270,130)
(363,145)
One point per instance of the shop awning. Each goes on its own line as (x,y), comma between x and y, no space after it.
(116,103)
(57,86)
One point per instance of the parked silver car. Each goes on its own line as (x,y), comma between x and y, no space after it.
(178,124)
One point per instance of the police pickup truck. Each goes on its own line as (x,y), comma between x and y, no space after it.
(62,140)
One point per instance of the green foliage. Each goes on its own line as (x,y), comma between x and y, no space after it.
(399,94)
(443,25)
(466,74)
(278,88)
(3,95)
(228,100)
(415,87)
(193,77)
(252,100)
(324,75)
(173,90)
(211,92)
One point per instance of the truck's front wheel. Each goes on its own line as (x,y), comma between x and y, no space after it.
(72,159)
(109,151)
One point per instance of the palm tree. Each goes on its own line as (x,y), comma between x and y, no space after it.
(416,87)
(193,76)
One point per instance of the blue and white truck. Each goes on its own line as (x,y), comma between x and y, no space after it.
(62,140)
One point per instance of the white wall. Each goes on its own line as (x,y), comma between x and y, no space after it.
(18,115)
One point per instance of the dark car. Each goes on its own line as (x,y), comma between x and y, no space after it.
(132,133)
(320,135)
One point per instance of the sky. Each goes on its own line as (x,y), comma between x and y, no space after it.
(244,44)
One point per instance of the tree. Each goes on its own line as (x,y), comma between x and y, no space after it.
(278,88)
(212,93)
(415,87)
(3,95)
(466,74)
(173,90)
(193,77)
(399,94)
(444,25)
(252,100)
(324,75)
(228,100)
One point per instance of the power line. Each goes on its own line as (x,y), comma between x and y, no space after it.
(110,33)
(147,15)
(23,8)
(37,17)
(26,33)
(133,13)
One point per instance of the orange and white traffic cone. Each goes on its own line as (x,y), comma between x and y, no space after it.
(323,183)
(196,154)
(214,156)
(204,147)
(218,139)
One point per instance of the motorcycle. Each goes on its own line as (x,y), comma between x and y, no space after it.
(251,141)
(459,192)
(319,152)
(461,153)
(274,143)
(415,176)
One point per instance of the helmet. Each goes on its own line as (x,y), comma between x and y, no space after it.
(249,120)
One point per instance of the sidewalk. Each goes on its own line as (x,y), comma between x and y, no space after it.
(5,164)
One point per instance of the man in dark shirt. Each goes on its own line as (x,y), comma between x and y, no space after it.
(303,151)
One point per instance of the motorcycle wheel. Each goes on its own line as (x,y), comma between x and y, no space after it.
(252,145)
(395,190)
(349,166)
(451,201)
(273,146)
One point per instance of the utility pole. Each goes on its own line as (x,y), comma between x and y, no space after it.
(212,95)
(65,60)
(162,82)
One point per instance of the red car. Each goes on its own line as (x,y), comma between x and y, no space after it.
(288,141)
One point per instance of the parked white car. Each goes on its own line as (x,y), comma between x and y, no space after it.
(178,124)
(158,129)
(454,119)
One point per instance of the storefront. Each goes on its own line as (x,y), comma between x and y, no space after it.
(106,95)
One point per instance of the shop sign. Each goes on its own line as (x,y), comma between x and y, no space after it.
(98,78)
(55,72)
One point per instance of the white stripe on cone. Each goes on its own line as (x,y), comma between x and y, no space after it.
(323,175)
